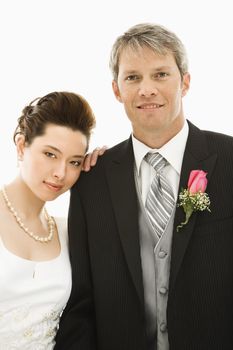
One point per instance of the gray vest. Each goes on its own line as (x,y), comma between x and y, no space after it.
(155,259)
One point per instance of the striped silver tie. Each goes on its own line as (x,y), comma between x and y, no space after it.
(160,199)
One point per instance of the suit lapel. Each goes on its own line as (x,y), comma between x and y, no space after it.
(196,156)
(120,175)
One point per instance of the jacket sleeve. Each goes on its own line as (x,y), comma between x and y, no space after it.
(77,324)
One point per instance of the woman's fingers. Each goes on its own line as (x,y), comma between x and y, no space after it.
(92,157)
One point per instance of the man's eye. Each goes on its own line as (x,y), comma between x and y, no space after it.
(132,77)
(50,155)
(161,75)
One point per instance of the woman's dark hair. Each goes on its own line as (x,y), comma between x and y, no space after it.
(60,108)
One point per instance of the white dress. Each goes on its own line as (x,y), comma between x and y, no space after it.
(32,297)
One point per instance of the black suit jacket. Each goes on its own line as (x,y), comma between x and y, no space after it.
(106,307)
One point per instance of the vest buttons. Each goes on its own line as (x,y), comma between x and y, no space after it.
(163,327)
(162,254)
(163,290)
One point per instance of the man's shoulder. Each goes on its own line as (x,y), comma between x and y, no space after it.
(118,148)
(112,154)
(219,140)
(215,140)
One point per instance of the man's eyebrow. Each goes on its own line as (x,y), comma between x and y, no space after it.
(163,68)
(129,72)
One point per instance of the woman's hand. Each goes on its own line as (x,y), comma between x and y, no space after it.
(92,157)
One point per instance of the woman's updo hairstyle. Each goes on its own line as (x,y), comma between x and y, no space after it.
(60,108)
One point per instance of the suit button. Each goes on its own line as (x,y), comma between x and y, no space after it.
(163,327)
(163,290)
(162,254)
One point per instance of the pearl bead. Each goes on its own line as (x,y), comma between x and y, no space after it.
(49,219)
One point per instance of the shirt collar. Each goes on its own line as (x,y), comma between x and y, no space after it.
(173,150)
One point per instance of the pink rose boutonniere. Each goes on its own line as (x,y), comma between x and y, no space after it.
(194,197)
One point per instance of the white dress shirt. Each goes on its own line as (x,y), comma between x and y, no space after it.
(172,151)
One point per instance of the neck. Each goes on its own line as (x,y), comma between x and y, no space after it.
(155,139)
(28,205)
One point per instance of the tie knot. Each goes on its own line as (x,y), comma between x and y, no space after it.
(155,160)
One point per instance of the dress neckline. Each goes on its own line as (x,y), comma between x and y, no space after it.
(9,253)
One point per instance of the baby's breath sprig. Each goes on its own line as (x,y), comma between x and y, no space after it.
(191,202)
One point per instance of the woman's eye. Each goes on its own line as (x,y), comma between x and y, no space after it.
(50,155)
(76,163)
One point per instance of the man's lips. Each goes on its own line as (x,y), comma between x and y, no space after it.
(150,106)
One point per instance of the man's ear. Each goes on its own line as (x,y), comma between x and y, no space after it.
(116,90)
(20,145)
(185,84)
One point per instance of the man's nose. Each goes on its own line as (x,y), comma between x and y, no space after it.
(148,88)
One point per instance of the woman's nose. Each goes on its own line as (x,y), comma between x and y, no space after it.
(60,171)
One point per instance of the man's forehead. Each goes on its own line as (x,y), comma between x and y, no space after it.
(129,55)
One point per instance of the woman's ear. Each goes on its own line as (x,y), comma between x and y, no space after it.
(20,146)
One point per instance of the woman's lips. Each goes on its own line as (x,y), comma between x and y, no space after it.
(52,186)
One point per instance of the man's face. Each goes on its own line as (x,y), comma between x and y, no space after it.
(151,88)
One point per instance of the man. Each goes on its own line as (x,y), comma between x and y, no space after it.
(139,283)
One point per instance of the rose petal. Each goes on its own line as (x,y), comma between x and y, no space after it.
(192,175)
(202,184)
(197,181)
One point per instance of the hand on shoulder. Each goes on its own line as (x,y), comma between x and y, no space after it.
(92,157)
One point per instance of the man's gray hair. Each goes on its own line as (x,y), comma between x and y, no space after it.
(153,36)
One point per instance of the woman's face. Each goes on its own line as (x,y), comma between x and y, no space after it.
(52,163)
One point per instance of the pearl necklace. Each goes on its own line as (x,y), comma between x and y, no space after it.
(49,219)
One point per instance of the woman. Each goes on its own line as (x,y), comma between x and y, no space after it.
(51,139)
